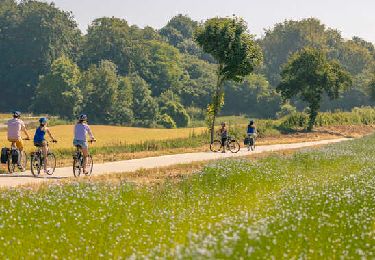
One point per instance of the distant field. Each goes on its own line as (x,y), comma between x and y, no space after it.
(112,135)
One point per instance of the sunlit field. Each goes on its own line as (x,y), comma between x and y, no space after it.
(108,136)
(316,204)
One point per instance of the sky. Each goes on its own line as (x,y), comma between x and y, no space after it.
(352,18)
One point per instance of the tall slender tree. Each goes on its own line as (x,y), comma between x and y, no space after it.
(236,54)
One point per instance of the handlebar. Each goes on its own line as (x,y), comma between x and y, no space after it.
(92,141)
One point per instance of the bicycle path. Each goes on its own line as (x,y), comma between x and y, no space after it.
(14,180)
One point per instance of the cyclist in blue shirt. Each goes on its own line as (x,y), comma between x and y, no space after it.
(251,129)
(40,141)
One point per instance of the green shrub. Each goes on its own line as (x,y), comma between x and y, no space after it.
(166,121)
(358,116)
(177,112)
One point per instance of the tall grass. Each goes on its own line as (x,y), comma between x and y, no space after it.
(313,205)
(358,116)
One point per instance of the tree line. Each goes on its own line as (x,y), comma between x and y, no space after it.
(122,74)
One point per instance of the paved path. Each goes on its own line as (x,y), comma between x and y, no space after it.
(14,180)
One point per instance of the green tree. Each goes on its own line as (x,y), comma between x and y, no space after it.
(58,92)
(160,66)
(288,37)
(166,121)
(371,87)
(235,51)
(108,39)
(32,35)
(253,97)
(308,74)
(145,107)
(100,88)
(122,112)
(169,104)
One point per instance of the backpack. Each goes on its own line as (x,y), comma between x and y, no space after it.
(4,155)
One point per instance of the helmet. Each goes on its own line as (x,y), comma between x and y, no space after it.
(16,114)
(43,120)
(82,117)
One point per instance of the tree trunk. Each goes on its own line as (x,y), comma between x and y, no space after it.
(216,101)
(213,128)
(314,108)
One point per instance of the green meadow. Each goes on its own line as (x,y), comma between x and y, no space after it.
(314,204)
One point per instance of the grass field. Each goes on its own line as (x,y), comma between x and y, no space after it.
(109,136)
(315,204)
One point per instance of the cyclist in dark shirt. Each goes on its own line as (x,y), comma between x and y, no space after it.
(223,132)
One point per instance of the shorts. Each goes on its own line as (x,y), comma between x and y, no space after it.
(41,143)
(81,143)
(18,142)
(223,140)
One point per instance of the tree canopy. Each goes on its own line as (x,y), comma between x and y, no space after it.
(308,75)
(40,44)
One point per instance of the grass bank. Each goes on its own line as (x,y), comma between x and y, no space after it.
(314,204)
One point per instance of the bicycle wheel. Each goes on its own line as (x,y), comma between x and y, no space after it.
(51,163)
(234,146)
(215,146)
(77,167)
(36,165)
(89,165)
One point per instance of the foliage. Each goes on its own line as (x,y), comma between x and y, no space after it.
(235,51)
(358,116)
(32,35)
(145,107)
(308,74)
(100,87)
(177,112)
(166,121)
(58,92)
(254,92)
(286,110)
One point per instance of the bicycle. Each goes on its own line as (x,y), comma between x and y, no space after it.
(37,161)
(231,144)
(78,162)
(250,142)
(13,159)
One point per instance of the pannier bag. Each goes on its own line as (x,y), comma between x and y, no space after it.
(4,155)
(15,155)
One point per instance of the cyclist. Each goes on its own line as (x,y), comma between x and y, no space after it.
(15,127)
(223,132)
(40,141)
(81,129)
(251,130)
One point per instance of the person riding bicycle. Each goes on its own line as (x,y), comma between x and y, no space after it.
(81,129)
(251,129)
(40,141)
(223,132)
(15,127)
